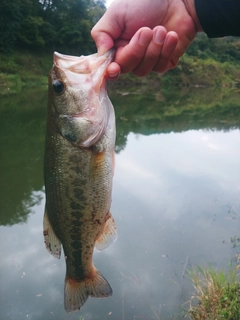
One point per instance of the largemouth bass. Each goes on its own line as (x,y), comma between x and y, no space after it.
(78,171)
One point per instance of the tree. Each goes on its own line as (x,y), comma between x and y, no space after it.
(10,17)
(62,25)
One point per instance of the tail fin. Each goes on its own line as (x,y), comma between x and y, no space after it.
(77,292)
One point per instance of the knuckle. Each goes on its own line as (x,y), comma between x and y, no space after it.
(140,72)
(173,63)
(151,55)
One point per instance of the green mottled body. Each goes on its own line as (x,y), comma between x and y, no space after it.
(78,171)
(78,183)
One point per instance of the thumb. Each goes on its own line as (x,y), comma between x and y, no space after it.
(108,28)
(103,40)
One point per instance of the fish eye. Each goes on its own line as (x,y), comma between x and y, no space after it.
(58,86)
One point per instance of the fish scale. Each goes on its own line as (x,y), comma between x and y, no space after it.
(78,171)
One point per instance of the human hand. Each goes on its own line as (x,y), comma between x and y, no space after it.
(148,35)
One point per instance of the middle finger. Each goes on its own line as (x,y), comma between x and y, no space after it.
(152,53)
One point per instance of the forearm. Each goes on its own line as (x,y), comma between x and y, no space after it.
(217,18)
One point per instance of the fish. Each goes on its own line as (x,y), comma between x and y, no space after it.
(78,172)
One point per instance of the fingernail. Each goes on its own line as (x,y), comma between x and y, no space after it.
(159,36)
(113,74)
(143,38)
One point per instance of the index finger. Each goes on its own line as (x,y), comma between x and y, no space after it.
(131,55)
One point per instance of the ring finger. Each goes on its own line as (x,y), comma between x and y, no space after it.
(166,60)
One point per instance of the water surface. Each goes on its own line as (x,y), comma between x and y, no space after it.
(175,201)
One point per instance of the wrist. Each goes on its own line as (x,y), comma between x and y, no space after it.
(190,7)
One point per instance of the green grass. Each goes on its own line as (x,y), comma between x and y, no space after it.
(33,68)
(217,294)
(10,82)
(13,83)
(23,68)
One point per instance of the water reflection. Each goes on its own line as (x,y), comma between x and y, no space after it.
(22,129)
(175,201)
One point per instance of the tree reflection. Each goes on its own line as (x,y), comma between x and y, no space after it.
(141,110)
(22,125)
(149,111)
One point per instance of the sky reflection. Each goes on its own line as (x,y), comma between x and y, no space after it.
(176,205)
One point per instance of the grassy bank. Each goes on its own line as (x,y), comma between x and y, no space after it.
(192,71)
(217,294)
(31,68)
(23,68)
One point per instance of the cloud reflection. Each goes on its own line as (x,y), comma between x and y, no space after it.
(176,204)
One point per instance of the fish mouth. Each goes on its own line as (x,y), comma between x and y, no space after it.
(86,121)
(84,70)
(74,67)
(82,64)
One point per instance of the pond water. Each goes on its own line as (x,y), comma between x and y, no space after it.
(175,202)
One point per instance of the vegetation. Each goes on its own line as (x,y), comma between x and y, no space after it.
(49,25)
(144,112)
(217,295)
(158,109)
(30,30)
(23,67)
(207,62)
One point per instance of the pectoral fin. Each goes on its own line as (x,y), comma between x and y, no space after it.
(97,163)
(108,236)
(53,245)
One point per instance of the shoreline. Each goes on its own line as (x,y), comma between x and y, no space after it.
(24,68)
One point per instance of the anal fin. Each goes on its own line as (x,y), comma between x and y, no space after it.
(108,235)
(53,245)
